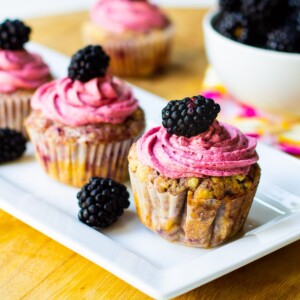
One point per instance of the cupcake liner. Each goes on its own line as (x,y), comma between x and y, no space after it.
(183,219)
(14,108)
(73,163)
(136,55)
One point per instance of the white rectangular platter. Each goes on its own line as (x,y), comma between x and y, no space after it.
(130,251)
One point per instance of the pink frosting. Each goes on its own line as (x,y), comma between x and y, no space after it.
(119,15)
(221,151)
(21,70)
(100,100)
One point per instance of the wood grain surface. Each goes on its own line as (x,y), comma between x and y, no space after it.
(32,266)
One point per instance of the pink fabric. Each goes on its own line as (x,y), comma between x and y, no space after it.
(221,151)
(100,100)
(21,70)
(120,15)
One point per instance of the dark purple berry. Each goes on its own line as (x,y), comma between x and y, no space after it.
(261,11)
(88,63)
(294,4)
(190,116)
(234,26)
(284,39)
(293,20)
(12,145)
(101,202)
(229,5)
(13,35)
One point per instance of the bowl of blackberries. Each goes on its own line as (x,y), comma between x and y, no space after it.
(254,47)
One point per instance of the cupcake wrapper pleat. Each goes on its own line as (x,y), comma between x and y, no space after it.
(140,56)
(14,108)
(186,220)
(74,163)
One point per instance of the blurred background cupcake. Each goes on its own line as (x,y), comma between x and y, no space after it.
(21,72)
(136,34)
(83,125)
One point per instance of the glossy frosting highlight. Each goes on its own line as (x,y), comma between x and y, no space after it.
(221,151)
(21,70)
(100,100)
(120,15)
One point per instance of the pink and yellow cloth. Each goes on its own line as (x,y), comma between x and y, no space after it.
(282,133)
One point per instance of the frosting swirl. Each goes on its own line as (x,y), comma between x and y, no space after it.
(74,103)
(221,151)
(21,70)
(119,15)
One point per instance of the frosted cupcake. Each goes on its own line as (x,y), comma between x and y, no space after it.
(194,178)
(83,125)
(136,35)
(21,72)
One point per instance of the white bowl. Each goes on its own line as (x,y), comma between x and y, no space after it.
(262,78)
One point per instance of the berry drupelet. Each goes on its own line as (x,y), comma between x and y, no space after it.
(294,4)
(230,5)
(102,201)
(190,116)
(12,145)
(234,26)
(284,39)
(293,20)
(13,35)
(88,63)
(261,11)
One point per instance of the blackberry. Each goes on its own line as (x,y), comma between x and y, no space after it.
(284,39)
(190,116)
(88,63)
(12,145)
(101,202)
(234,26)
(263,11)
(293,20)
(229,5)
(294,3)
(13,35)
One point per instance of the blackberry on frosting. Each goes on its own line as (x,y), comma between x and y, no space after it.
(13,35)
(88,63)
(190,116)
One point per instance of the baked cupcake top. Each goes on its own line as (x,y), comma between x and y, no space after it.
(118,16)
(19,69)
(88,95)
(191,143)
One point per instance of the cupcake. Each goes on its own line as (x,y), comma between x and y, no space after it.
(21,73)
(194,178)
(83,125)
(136,35)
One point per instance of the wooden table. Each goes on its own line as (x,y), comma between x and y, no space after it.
(32,266)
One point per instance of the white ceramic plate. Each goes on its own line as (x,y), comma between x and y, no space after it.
(130,251)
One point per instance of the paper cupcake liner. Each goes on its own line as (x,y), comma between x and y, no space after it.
(14,108)
(73,163)
(183,219)
(136,56)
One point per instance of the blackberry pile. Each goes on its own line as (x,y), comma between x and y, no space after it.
(102,201)
(12,145)
(270,24)
(13,35)
(190,116)
(88,63)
